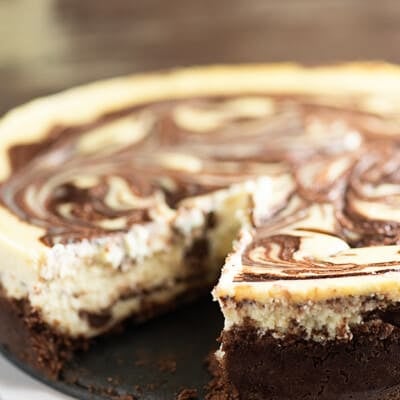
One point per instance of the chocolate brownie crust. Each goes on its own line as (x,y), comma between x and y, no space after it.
(33,342)
(364,368)
(28,339)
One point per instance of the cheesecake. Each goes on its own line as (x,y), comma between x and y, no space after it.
(125,198)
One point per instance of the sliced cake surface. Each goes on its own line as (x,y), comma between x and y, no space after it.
(122,198)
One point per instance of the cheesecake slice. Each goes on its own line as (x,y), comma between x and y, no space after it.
(310,313)
(121,200)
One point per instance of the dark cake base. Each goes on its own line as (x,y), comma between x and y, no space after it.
(151,361)
(40,347)
(263,368)
(31,341)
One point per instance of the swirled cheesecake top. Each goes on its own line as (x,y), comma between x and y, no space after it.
(102,159)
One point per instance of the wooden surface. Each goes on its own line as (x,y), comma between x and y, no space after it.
(48,45)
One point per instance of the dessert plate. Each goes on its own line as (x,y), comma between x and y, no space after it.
(153,361)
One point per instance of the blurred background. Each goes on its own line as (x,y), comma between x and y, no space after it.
(49,45)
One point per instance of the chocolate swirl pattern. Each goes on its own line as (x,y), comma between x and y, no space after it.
(132,169)
(311,245)
(371,201)
(346,224)
(334,182)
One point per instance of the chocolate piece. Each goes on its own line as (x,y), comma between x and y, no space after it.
(197,254)
(123,397)
(212,220)
(167,365)
(187,394)
(96,319)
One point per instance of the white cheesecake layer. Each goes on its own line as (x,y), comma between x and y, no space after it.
(318,321)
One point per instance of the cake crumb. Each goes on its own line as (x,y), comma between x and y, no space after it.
(124,397)
(187,394)
(167,365)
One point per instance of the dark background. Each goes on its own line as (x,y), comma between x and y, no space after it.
(48,45)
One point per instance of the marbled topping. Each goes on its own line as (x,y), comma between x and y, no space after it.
(133,168)
(339,217)
(332,191)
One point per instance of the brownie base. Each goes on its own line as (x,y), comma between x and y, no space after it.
(31,341)
(40,347)
(263,368)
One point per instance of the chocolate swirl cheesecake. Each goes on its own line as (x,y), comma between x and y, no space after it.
(122,199)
